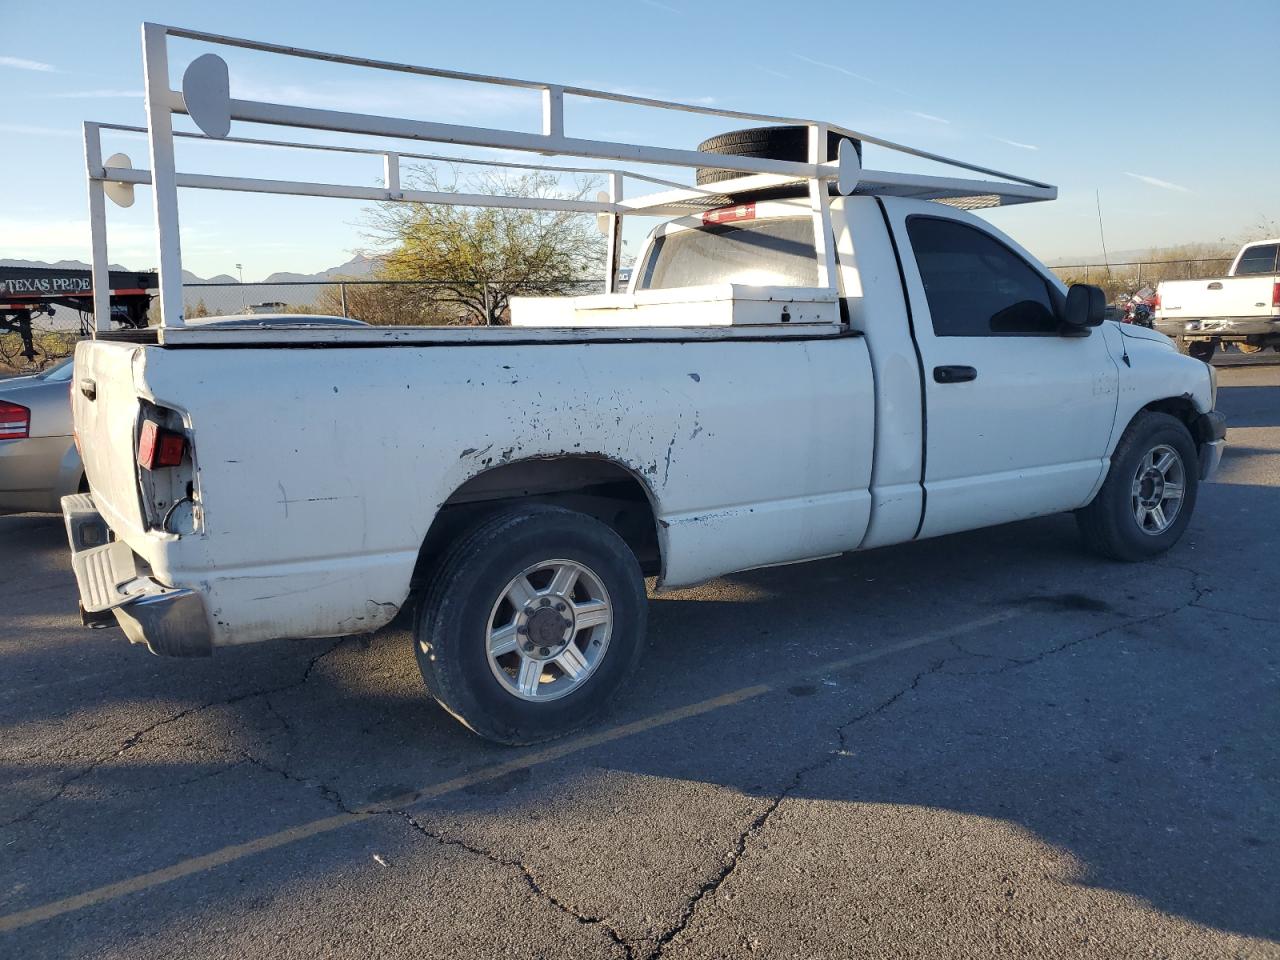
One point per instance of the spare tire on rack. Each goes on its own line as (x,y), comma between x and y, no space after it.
(774,143)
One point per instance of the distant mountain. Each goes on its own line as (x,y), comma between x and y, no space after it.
(189,277)
(60,265)
(357,267)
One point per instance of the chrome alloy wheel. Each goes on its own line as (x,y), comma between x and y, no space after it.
(549,630)
(1158,487)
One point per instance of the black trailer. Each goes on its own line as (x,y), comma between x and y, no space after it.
(30,292)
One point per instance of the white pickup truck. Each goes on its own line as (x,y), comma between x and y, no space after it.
(1241,308)
(785,379)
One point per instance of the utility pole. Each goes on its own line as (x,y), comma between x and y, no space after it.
(243,304)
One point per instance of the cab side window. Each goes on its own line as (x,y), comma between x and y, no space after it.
(1261,259)
(975,285)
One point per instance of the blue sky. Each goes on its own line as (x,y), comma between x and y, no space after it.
(1163,107)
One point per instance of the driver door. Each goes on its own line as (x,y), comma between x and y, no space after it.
(1018,418)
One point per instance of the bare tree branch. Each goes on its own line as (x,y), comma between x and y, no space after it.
(470,250)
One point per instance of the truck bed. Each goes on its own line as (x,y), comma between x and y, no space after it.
(318,481)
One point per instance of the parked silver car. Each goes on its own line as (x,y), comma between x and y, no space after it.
(39,463)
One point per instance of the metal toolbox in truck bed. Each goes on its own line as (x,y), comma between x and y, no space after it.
(715,305)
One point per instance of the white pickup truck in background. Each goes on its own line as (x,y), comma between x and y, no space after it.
(1241,308)
(787,377)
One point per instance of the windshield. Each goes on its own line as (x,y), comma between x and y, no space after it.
(762,253)
(58,373)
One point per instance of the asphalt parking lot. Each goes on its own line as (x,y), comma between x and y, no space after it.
(990,744)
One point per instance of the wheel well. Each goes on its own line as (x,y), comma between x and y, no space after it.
(1180,407)
(596,486)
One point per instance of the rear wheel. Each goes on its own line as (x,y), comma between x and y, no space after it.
(1149,494)
(532,623)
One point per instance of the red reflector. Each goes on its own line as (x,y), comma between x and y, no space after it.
(742,211)
(158,447)
(15,421)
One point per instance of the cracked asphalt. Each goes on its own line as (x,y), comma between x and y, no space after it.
(988,744)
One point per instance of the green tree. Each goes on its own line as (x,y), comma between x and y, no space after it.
(477,258)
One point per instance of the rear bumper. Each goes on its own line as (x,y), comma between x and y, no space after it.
(169,621)
(1217,326)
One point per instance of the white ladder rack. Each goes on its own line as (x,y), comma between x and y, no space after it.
(206,98)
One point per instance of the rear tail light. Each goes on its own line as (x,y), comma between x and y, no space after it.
(15,421)
(158,447)
(1275,294)
(1155,300)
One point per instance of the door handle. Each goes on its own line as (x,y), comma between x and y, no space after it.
(1215,285)
(954,374)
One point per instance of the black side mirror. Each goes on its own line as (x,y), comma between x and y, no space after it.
(1085,307)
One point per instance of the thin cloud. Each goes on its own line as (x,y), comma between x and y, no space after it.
(44,238)
(27,131)
(647,93)
(95,94)
(777,73)
(1016,143)
(443,99)
(929,116)
(17,63)
(849,73)
(1157,182)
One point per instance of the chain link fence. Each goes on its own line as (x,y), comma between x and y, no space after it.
(378,302)
(430,302)
(1119,279)
(415,302)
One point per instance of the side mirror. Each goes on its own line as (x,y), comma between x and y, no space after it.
(1085,307)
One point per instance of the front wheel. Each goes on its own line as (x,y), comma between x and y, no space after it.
(532,623)
(1150,492)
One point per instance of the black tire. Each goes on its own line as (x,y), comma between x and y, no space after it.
(1200,349)
(451,633)
(775,143)
(1108,524)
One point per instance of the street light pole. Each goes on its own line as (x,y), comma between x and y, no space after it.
(243,304)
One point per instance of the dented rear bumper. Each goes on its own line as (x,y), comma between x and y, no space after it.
(169,621)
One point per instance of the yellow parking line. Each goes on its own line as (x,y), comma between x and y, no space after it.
(229,854)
